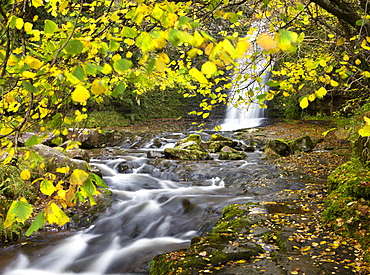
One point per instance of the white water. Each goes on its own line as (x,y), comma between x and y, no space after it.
(247,114)
(151,216)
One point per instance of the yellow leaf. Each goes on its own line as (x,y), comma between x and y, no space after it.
(321,92)
(303,103)
(311,97)
(107,69)
(160,65)
(334,83)
(80,94)
(364,45)
(198,75)
(78,177)
(97,88)
(209,68)
(242,47)
(364,131)
(19,23)
(37,3)
(209,49)
(341,41)
(34,63)
(25,174)
(28,27)
(266,41)
(54,214)
(63,170)
(28,74)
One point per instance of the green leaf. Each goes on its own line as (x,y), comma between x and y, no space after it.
(273,83)
(74,46)
(32,141)
(119,89)
(129,32)
(29,87)
(37,223)
(145,42)
(50,27)
(114,45)
(285,40)
(53,214)
(98,180)
(121,65)
(79,73)
(71,78)
(361,22)
(19,211)
(47,187)
(183,20)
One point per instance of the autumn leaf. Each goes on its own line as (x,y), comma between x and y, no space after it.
(25,174)
(53,214)
(80,94)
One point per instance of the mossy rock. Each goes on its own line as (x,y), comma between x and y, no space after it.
(216,146)
(177,153)
(228,153)
(278,146)
(193,137)
(361,149)
(302,144)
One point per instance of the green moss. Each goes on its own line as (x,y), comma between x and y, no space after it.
(348,205)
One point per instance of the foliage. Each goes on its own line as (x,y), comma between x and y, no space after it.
(87,53)
(348,206)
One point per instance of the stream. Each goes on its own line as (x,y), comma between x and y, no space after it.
(160,205)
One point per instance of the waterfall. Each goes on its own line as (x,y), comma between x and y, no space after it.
(247,83)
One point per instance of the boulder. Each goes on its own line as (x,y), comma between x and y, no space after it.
(217,142)
(55,158)
(302,144)
(228,153)
(93,138)
(185,154)
(279,147)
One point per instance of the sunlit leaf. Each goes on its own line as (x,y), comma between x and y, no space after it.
(209,68)
(97,88)
(80,94)
(321,92)
(25,174)
(198,75)
(266,41)
(78,177)
(19,211)
(121,65)
(53,214)
(50,27)
(47,187)
(303,103)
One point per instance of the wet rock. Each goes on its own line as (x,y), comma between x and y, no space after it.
(93,138)
(127,167)
(55,158)
(279,147)
(228,153)
(184,154)
(78,154)
(154,154)
(302,144)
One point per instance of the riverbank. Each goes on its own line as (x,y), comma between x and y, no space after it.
(289,227)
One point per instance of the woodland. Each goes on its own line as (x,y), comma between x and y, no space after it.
(71,64)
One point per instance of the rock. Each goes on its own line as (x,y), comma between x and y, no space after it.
(196,138)
(78,154)
(154,154)
(185,154)
(55,158)
(279,147)
(302,144)
(93,138)
(190,145)
(228,153)
(127,167)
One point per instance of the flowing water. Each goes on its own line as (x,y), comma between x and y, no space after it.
(159,206)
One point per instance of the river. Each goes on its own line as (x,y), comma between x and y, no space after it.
(160,205)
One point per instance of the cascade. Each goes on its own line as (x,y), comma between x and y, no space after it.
(246,87)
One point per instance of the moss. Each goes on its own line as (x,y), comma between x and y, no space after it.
(348,205)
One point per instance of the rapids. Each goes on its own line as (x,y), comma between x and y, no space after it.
(160,205)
